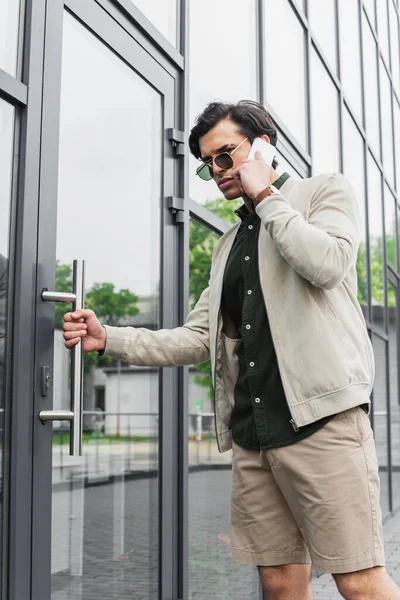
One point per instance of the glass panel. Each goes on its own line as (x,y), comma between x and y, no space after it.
(285,167)
(105,504)
(324,118)
(383,28)
(285,76)
(9,28)
(215,64)
(163,14)
(390,227)
(371,87)
(381,419)
(394,44)
(353,168)
(370,8)
(394,391)
(387,125)
(396,115)
(212,574)
(6,161)
(350,53)
(322,17)
(376,241)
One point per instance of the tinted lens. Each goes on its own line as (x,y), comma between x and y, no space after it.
(224,160)
(204,172)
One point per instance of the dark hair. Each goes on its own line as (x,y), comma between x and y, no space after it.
(251,117)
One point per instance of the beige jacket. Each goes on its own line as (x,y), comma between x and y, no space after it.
(307,256)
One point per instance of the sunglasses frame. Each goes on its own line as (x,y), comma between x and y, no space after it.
(209,163)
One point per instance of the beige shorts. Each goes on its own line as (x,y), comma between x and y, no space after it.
(315,501)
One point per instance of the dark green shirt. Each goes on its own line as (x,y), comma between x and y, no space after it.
(260,418)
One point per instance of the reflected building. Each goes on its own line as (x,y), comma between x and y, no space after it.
(96,102)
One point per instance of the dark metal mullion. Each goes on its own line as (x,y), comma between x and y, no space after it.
(308,49)
(341,101)
(24,291)
(260,34)
(389,429)
(12,90)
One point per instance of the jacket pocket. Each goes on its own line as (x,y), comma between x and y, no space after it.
(230,365)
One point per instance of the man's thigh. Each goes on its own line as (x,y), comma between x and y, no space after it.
(263,529)
(330,482)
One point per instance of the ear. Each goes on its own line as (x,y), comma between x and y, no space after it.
(266,138)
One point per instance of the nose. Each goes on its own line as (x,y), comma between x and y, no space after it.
(216,169)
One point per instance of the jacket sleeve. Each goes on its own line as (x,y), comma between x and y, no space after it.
(184,345)
(324,248)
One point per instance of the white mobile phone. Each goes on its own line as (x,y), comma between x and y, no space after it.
(267,150)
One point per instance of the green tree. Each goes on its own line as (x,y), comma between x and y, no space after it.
(201,243)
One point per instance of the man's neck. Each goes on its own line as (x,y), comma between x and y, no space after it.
(249,202)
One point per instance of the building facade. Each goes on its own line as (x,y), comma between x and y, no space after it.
(97,98)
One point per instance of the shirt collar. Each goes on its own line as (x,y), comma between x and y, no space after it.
(242,211)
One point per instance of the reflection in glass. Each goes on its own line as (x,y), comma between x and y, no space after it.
(376,241)
(380,419)
(212,574)
(396,110)
(218,62)
(105,504)
(350,54)
(9,26)
(7,115)
(383,31)
(285,68)
(163,14)
(371,86)
(322,17)
(353,168)
(394,44)
(386,119)
(390,227)
(324,118)
(394,390)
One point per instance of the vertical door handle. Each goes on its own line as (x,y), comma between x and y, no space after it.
(76,409)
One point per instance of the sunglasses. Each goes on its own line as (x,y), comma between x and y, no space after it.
(223,161)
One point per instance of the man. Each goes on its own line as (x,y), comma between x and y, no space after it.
(292,362)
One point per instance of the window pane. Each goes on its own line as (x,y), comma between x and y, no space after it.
(163,14)
(324,119)
(211,574)
(380,419)
(353,163)
(214,66)
(386,119)
(284,67)
(109,181)
(394,390)
(371,87)
(9,25)
(390,227)
(6,161)
(350,53)
(285,167)
(394,43)
(396,109)
(322,17)
(376,241)
(370,8)
(383,31)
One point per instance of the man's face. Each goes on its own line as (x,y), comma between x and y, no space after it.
(225,137)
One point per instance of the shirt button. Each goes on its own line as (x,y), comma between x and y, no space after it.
(249,292)
(257,400)
(250,226)
(248,326)
(247,258)
(252,364)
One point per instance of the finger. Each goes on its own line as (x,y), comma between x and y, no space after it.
(71,343)
(70,335)
(74,326)
(83,313)
(258,155)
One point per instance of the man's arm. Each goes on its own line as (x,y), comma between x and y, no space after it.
(143,347)
(324,248)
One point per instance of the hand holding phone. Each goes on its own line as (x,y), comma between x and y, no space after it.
(267,150)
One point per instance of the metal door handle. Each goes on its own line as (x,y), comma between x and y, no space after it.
(75,414)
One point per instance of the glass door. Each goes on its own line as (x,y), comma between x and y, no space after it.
(109,213)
